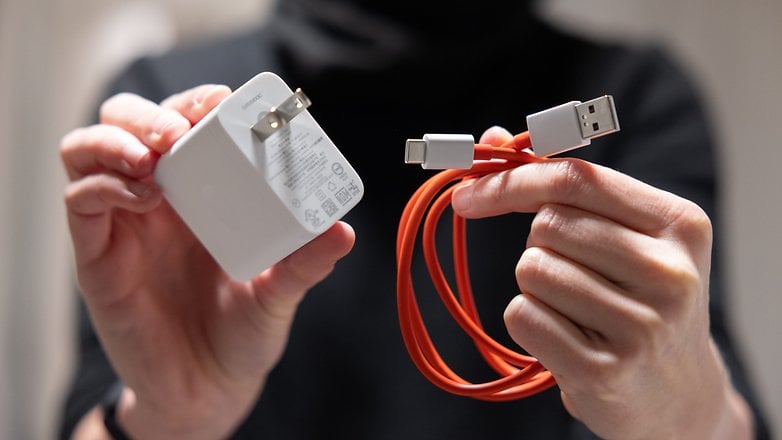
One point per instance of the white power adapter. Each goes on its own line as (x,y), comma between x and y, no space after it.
(258,178)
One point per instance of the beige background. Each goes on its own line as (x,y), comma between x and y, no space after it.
(56,54)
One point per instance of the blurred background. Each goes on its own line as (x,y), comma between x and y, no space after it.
(56,55)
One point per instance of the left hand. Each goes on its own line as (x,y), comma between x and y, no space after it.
(615,283)
(191,345)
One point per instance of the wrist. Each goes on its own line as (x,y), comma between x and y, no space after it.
(109,406)
(736,420)
(730,417)
(140,420)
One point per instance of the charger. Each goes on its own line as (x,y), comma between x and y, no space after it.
(257,177)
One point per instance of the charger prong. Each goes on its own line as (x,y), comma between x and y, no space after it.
(280,115)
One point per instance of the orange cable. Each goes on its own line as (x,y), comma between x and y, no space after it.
(520,375)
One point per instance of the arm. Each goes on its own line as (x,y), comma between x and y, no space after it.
(616,289)
(192,346)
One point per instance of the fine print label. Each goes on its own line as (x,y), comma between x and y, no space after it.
(310,175)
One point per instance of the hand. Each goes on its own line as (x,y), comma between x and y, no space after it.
(192,345)
(615,298)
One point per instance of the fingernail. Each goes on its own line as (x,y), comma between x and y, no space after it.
(462,196)
(517,301)
(139,189)
(167,129)
(203,92)
(162,123)
(495,135)
(136,151)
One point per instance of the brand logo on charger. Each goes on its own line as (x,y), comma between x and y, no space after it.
(251,101)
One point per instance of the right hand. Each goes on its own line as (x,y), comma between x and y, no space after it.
(192,346)
(615,282)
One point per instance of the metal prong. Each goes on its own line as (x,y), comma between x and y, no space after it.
(280,115)
(597,117)
(415,151)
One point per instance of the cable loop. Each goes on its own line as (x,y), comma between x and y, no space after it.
(520,375)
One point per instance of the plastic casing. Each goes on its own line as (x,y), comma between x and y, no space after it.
(550,134)
(252,203)
(445,151)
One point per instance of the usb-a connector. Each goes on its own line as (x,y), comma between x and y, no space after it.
(597,117)
(571,125)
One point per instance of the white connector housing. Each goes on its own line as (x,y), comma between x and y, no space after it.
(571,125)
(252,202)
(555,130)
(441,151)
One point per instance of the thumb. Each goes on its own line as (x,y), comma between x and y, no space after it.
(280,288)
(569,405)
(495,136)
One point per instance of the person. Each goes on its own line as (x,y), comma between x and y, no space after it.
(622,290)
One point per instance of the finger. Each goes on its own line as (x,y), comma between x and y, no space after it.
(572,182)
(561,346)
(659,273)
(90,201)
(99,193)
(281,287)
(105,147)
(622,255)
(155,126)
(496,136)
(582,296)
(195,103)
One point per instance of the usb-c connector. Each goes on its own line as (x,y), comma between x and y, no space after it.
(441,151)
